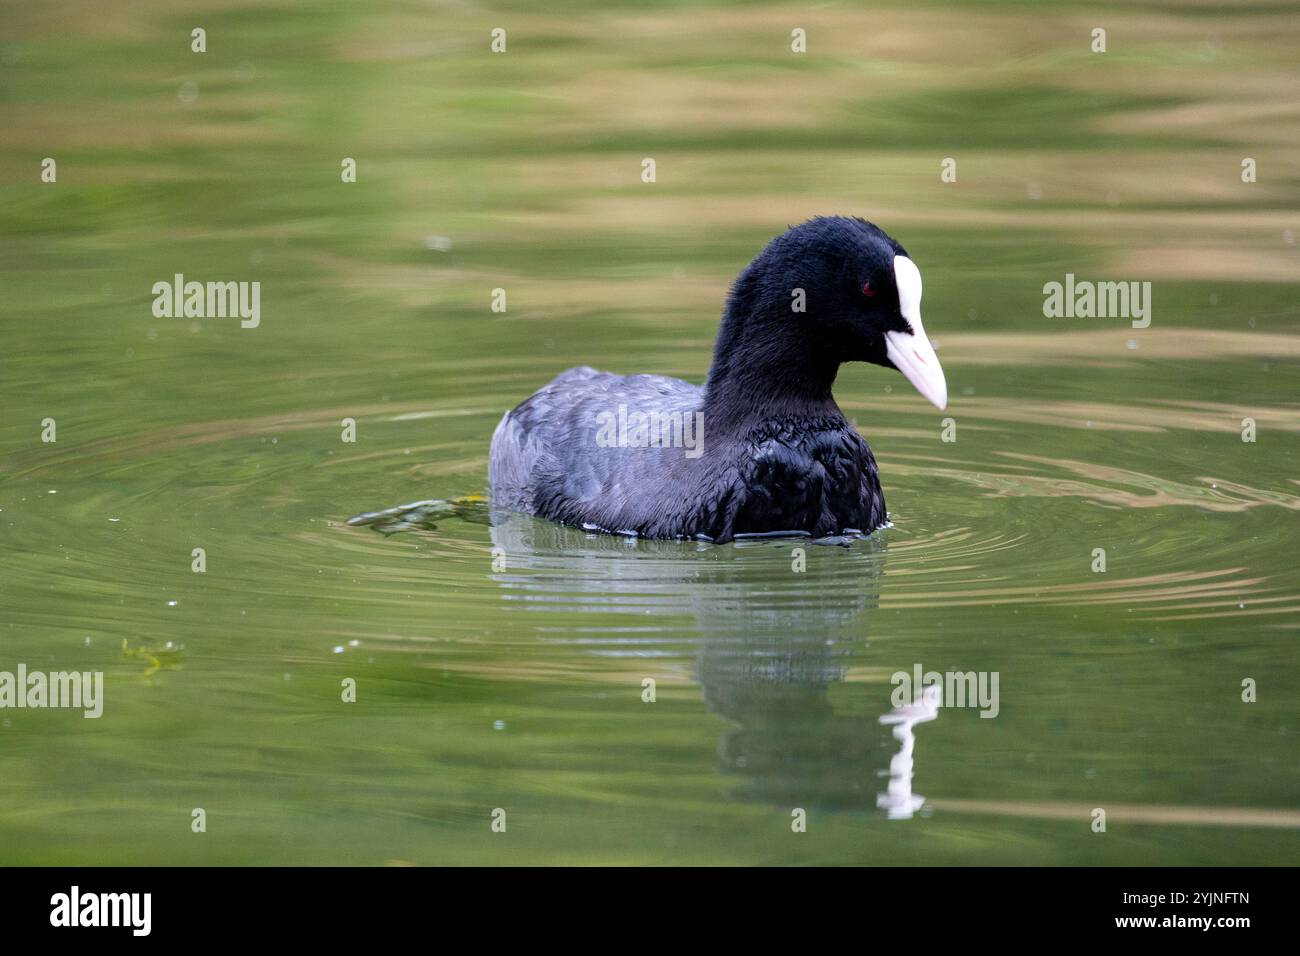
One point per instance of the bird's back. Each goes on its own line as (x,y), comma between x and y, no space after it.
(571,452)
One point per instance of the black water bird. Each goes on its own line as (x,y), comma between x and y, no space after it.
(761,448)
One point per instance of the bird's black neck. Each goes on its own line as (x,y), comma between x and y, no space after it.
(765,365)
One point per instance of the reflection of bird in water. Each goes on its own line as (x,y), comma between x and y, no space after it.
(898,801)
(768,657)
(770,641)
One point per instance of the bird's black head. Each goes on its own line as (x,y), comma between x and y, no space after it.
(828,291)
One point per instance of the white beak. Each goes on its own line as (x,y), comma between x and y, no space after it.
(912,354)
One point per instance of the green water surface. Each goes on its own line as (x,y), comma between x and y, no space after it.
(505,666)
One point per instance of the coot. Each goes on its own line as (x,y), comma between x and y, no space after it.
(761,448)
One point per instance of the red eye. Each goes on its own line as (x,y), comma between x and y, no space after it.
(867,289)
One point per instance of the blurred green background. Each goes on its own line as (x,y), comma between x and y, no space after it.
(519,685)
